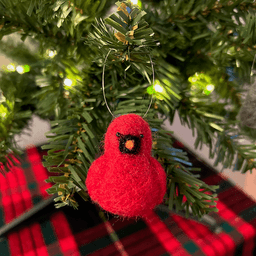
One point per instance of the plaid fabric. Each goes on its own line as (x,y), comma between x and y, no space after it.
(67,232)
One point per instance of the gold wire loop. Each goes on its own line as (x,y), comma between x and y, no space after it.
(103,83)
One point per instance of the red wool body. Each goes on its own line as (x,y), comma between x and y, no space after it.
(126,180)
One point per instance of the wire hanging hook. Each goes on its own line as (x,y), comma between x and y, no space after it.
(153,74)
(103,83)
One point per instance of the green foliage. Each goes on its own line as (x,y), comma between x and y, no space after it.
(170,40)
(230,150)
(131,44)
(16,108)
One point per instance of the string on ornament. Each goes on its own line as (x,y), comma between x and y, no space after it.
(103,83)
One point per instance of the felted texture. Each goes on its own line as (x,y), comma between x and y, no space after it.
(128,183)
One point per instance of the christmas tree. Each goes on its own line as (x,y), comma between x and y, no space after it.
(151,58)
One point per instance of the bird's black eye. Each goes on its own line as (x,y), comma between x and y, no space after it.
(118,134)
(141,135)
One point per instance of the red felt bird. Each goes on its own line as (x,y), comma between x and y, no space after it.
(126,180)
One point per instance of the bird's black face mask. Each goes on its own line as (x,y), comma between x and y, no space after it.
(129,144)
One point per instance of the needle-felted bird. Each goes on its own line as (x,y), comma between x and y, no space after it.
(126,180)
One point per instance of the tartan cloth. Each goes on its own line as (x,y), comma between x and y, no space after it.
(69,232)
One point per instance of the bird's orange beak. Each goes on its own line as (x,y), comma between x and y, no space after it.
(129,144)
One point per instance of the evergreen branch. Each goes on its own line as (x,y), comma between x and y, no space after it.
(188,193)
(223,47)
(132,42)
(184,189)
(51,24)
(197,112)
(196,37)
(232,151)
(72,149)
(16,108)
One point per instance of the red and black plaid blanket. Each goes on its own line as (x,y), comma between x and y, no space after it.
(69,232)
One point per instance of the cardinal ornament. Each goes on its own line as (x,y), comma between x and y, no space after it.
(126,180)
